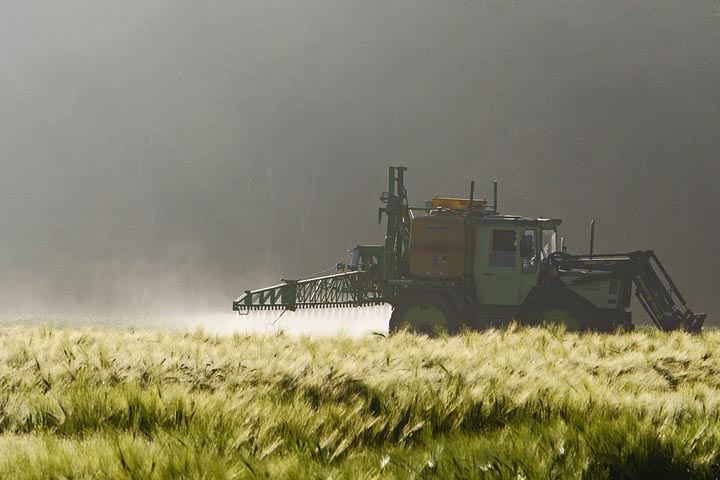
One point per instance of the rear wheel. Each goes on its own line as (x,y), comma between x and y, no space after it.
(430,316)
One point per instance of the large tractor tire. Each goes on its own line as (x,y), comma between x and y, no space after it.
(563,310)
(431,316)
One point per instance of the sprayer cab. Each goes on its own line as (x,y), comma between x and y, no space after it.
(458,263)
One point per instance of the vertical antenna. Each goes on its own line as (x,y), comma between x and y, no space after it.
(495,196)
(472,198)
(469,227)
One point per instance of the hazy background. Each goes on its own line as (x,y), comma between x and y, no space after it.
(159,157)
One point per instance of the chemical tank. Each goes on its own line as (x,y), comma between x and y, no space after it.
(437,246)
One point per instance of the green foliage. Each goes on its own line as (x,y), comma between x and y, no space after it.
(513,403)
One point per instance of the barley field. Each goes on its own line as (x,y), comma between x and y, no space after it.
(514,403)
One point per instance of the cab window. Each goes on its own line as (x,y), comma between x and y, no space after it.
(503,248)
(529,251)
(549,242)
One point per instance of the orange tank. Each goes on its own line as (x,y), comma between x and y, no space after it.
(437,247)
(458,203)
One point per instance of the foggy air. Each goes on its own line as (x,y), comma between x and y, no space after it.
(159,158)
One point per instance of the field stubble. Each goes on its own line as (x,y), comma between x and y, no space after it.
(513,403)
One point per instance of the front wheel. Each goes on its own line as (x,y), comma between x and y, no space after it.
(430,316)
(574,316)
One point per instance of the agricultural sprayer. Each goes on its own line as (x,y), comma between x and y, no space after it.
(458,263)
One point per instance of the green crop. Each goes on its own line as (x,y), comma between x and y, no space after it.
(513,403)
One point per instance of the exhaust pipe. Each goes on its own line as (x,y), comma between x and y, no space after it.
(495,197)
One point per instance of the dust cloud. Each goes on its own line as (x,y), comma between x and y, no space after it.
(160,157)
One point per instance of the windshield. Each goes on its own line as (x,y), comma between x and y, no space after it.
(549,242)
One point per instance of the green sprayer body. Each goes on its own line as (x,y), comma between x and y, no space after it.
(458,263)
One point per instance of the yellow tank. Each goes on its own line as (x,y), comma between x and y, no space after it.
(437,247)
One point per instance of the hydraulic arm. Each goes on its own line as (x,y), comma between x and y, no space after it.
(658,298)
(657,293)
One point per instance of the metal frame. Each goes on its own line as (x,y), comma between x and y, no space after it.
(347,289)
